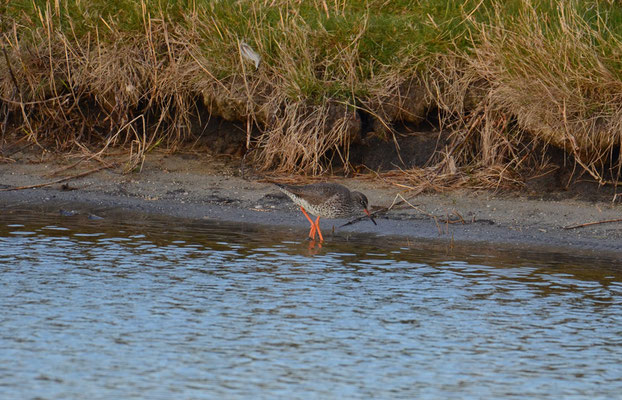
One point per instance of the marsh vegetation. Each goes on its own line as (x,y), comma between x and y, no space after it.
(502,84)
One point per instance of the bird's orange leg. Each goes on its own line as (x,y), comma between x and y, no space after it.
(317,226)
(312,231)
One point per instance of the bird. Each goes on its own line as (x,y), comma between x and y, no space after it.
(327,200)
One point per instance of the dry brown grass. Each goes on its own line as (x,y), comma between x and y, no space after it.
(76,92)
(526,85)
(554,82)
(521,83)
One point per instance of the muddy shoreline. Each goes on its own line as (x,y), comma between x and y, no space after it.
(191,186)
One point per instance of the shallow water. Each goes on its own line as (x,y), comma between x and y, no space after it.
(145,307)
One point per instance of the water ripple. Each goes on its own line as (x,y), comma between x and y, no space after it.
(107,310)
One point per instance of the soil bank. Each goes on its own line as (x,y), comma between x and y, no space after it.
(199,186)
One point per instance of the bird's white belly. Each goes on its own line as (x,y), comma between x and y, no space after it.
(306,205)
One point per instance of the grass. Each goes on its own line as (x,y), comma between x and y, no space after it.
(503,76)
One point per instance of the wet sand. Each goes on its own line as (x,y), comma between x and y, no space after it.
(193,186)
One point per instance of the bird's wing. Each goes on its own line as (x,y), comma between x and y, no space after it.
(313,194)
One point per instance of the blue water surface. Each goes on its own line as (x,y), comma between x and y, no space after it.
(138,307)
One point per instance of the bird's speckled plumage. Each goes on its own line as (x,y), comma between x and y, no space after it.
(327,200)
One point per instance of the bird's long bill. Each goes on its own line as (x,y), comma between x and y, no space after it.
(370,217)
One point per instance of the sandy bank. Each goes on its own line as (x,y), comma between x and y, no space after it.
(201,187)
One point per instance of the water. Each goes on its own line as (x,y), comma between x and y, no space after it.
(141,307)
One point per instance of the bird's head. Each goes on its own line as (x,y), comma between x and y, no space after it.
(361,201)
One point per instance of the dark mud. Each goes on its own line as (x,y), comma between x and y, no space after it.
(452,220)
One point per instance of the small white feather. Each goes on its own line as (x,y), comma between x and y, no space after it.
(250,54)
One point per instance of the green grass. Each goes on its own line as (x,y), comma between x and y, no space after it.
(387,33)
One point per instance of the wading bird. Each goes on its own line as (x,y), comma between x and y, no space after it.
(327,200)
